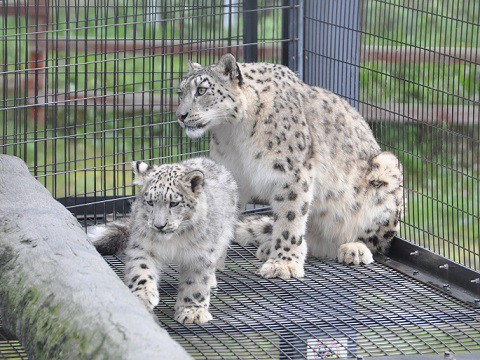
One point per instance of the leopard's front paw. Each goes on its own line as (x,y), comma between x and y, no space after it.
(192,315)
(282,269)
(355,253)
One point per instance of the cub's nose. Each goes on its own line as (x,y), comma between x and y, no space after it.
(160,227)
(181,117)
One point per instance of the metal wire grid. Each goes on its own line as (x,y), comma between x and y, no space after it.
(10,348)
(87,87)
(359,311)
(412,68)
(347,311)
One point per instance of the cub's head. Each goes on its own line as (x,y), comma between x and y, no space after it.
(208,96)
(169,195)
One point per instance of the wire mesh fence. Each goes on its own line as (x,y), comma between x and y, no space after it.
(87,87)
(412,69)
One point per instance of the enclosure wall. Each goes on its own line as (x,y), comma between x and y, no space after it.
(412,69)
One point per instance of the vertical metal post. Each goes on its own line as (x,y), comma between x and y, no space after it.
(332,46)
(300,54)
(292,31)
(286,10)
(250,30)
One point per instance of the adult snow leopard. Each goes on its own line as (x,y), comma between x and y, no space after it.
(305,151)
(185,213)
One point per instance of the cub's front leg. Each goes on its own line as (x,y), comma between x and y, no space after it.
(141,277)
(290,205)
(194,294)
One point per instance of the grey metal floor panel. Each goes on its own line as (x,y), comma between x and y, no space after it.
(336,310)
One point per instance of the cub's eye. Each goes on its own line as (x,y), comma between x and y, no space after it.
(201,91)
(149,202)
(174,203)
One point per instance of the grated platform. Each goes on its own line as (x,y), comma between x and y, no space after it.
(337,311)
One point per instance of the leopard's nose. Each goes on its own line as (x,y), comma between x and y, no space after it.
(182,117)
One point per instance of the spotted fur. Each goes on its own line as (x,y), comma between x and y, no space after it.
(305,151)
(184,214)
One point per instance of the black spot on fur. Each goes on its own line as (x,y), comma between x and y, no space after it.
(285,234)
(279,198)
(293,241)
(389,234)
(187,299)
(305,186)
(304,208)
(378,183)
(268,229)
(197,295)
(141,282)
(291,215)
(279,167)
(144,266)
(373,239)
(292,196)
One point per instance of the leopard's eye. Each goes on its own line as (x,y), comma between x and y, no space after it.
(174,203)
(201,91)
(149,202)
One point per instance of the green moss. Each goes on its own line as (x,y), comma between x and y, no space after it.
(45,327)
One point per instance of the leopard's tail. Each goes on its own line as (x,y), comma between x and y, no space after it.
(110,239)
(253,230)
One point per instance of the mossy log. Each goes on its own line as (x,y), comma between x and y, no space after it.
(57,294)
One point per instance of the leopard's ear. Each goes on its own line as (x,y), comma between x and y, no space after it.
(140,169)
(193,66)
(227,66)
(194,181)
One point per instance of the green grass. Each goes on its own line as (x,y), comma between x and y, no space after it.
(427,24)
(417,83)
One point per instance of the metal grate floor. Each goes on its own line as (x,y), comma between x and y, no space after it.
(338,310)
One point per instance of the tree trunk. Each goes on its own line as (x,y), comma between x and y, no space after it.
(57,294)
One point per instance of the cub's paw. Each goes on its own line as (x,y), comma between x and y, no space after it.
(192,315)
(282,269)
(263,251)
(149,297)
(355,253)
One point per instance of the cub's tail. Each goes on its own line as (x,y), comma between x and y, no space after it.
(253,230)
(110,239)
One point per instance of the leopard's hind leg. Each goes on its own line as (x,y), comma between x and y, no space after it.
(382,200)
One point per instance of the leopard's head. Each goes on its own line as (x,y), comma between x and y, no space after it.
(169,195)
(208,96)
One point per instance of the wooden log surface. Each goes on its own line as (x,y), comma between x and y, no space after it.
(57,294)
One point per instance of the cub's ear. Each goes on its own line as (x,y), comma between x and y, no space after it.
(140,169)
(194,180)
(192,66)
(227,66)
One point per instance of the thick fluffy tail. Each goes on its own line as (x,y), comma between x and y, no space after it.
(254,230)
(110,239)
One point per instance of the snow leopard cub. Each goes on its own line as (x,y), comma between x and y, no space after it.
(185,214)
